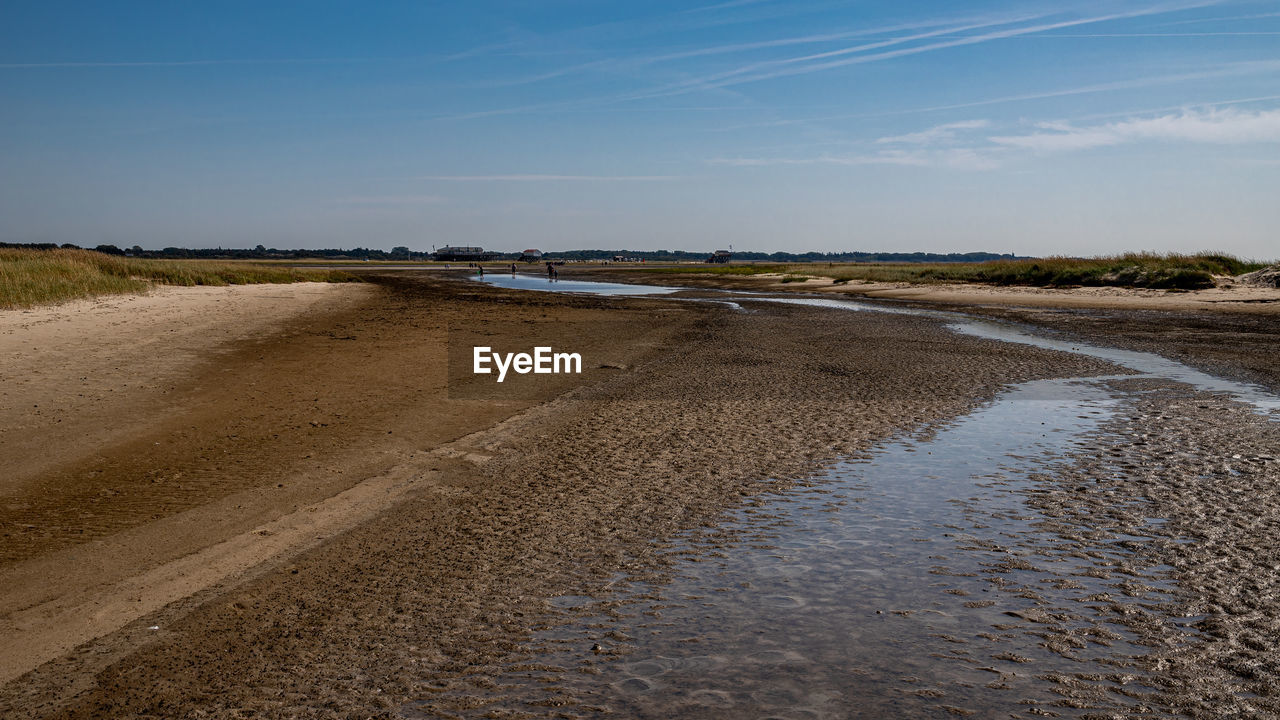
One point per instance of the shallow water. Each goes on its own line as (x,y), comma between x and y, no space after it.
(1151,364)
(885,587)
(914,583)
(542,282)
(1143,362)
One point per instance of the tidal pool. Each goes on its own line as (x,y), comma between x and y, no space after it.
(888,587)
(916,582)
(524,281)
(1265,402)
(1144,362)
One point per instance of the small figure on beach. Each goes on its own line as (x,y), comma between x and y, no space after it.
(480,270)
(513,269)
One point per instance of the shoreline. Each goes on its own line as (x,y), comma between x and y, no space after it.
(1222,331)
(214,414)
(1235,299)
(705,411)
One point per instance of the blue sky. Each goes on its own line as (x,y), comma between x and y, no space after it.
(1027,127)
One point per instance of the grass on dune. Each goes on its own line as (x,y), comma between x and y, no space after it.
(1146,270)
(725,269)
(34,277)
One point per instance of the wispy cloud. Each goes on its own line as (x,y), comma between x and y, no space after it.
(1225,127)
(766,69)
(726,5)
(1181,107)
(918,37)
(1229,18)
(1252,67)
(954,158)
(960,146)
(1070,36)
(642,61)
(185,63)
(1236,69)
(547,178)
(388,200)
(934,135)
(859,54)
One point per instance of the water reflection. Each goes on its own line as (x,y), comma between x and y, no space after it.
(541,282)
(889,588)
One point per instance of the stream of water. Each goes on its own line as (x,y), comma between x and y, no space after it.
(543,283)
(914,583)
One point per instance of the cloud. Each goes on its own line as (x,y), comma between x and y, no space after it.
(641,61)
(184,63)
(547,178)
(934,147)
(806,64)
(934,135)
(1228,18)
(920,37)
(1068,36)
(953,158)
(726,5)
(375,200)
(1223,127)
(811,39)
(1234,69)
(1182,107)
(776,68)
(943,146)
(1250,67)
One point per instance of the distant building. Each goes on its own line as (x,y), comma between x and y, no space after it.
(720,256)
(531,255)
(463,253)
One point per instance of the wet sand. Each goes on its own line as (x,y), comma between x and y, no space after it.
(499,503)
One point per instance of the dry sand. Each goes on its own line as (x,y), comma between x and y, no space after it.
(86,373)
(320,520)
(148,429)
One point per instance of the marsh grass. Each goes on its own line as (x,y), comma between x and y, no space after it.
(34,277)
(1145,270)
(725,269)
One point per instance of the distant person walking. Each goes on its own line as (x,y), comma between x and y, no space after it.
(480,270)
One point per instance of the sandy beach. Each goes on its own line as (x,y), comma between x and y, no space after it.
(293,501)
(725,360)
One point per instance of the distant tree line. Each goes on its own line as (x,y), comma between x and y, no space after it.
(783,257)
(258,253)
(404,253)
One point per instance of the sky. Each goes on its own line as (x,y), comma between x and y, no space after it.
(1036,128)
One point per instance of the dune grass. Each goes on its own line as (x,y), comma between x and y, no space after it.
(757,269)
(1145,270)
(34,277)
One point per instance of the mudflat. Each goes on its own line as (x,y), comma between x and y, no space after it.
(146,429)
(312,512)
